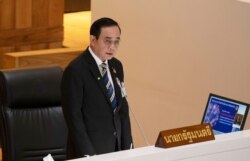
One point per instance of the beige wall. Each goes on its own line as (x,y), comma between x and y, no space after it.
(175,52)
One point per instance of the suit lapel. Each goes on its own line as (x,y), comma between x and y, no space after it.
(97,75)
(98,78)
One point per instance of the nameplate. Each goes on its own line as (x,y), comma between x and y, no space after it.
(185,135)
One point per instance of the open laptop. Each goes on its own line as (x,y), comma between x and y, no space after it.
(225,115)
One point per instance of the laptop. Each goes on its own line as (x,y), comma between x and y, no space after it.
(224,114)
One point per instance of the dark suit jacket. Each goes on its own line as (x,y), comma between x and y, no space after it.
(94,127)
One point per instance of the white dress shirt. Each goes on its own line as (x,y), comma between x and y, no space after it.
(99,62)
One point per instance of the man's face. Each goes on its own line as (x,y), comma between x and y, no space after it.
(106,45)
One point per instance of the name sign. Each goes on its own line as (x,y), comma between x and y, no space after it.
(185,135)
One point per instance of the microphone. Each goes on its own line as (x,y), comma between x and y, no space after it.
(124,94)
(138,125)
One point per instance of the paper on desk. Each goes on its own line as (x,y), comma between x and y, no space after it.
(48,158)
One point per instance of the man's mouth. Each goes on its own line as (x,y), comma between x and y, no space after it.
(109,53)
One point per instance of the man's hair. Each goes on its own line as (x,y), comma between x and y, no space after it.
(96,27)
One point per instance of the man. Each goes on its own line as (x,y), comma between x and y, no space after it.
(93,96)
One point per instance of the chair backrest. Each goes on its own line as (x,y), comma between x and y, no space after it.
(31,118)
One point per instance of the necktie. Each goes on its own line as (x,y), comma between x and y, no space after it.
(109,86)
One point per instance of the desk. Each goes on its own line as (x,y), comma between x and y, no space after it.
(229,147)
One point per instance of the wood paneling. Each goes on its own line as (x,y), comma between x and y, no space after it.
(31,24)
(55,10)
(7,14)
(76,39)
(31,36)
(23,14)
(40,13)
(76,5)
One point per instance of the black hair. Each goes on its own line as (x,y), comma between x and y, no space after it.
(95,28)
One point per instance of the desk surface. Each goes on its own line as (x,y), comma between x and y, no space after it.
(230,147)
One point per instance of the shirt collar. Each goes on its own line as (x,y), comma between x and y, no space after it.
(97,59)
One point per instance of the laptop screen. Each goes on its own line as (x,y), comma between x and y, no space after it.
(225,115)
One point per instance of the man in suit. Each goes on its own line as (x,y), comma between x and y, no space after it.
(94,98)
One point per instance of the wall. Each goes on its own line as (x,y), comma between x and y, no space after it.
(175,52)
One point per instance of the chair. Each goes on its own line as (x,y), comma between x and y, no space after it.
(31,119)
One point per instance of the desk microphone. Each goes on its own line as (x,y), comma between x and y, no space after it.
(124,94)
(138,124)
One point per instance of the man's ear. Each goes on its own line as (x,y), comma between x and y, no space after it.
(92,38)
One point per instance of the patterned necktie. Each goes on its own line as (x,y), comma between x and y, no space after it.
(109,86)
